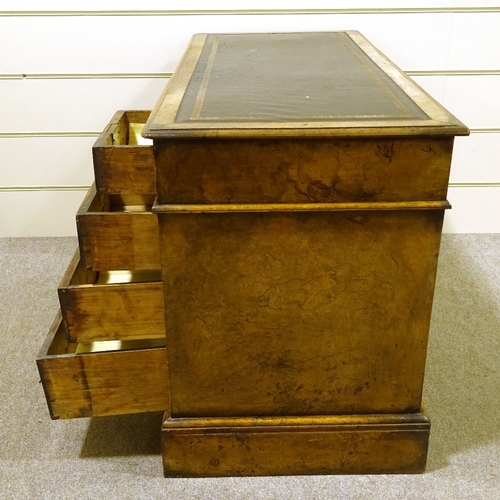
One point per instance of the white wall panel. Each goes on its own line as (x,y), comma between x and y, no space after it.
(131,44)
(476,159)
(472,99)
(72,105)
(474,210)
(131,5)
(475,43)
(79,63)
(152,44)
(39,213)
(46,161)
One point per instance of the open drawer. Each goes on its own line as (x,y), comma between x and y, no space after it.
(123,160)
(102,378)
(118,232)
(111,305)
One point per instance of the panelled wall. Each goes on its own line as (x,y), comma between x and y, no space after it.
(66,69)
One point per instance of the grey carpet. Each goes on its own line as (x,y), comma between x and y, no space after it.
(119,457)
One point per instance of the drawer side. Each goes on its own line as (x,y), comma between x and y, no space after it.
(125,237)
(121,164)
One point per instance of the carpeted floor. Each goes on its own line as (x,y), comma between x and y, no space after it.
(119,457)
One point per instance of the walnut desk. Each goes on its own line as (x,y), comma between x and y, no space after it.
(301,189)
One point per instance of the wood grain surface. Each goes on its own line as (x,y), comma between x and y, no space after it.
(348,444)
(94,310)
(302,170)
(298,313)
(100,383)
(118,236)
(120,166)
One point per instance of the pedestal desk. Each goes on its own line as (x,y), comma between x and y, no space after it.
(301,183)
(301,188)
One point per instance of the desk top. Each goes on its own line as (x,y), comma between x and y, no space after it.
(293,85)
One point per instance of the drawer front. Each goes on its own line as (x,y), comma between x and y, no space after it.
(123,161)
(116,236)
(303,170)
(298,313)
(130,380)
(98,306)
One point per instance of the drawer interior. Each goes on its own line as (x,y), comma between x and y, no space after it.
(59,345)
(121,203)
(77,275)
(134,135)
(128,130)
(122,277)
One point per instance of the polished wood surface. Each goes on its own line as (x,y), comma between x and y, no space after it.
(295,313)
(98,306)
(121,164)
(352,444)
(118,233)
(78,383)
(303,170)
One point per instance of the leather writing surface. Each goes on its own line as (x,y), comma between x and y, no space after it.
(316,84)
(290,77)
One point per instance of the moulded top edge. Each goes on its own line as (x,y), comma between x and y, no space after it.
(298,207)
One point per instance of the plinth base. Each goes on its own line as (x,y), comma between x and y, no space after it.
(273,446)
